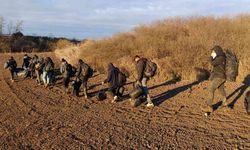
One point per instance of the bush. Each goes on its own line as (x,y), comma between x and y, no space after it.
(177,45)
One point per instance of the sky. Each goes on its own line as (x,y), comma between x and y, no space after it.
(96,19)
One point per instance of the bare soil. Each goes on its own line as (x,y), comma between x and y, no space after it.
(34,117)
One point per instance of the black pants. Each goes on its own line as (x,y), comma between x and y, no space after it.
(116,91)
(66,82)
(76,89)
(12,73)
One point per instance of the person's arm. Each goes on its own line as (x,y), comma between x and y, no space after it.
(62,68)
(140,70)
(15,64)
(109,76)
(78,71)
(23,63)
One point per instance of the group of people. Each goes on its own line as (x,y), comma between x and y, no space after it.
(43,70)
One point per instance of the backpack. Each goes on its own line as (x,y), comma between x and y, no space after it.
(88,70)
(232,66)
(69,69)
(150,69)
(122,79)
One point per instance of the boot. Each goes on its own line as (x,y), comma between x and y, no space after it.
(224,102)
(209,109)
(150,103)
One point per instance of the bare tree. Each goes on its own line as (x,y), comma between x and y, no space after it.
(10,27)
(19,26)
(1,25)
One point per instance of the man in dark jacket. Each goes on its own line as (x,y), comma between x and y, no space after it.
(218,76)
(142,79)
(114,79)
(11,65)
(65,70)
(26,61)
(84,72)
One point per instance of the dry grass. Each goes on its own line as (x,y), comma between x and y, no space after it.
(177,45)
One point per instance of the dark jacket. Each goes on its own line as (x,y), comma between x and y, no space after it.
(82,70)
(140,66)
(26,62)
(112,77)
(219,64)
(12,64)
(64,70)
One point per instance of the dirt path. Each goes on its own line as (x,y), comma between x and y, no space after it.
(32,117)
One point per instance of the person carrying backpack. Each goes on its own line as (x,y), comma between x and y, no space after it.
(65,70)
(116,80)
(83,73)
(48,71)
(12,66)
(39,70)
(217,77)
(145,69)
(32,65)
(26,62)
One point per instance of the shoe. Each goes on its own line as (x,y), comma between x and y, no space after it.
(208,109)
(224,103)
(150,105)
(115,99)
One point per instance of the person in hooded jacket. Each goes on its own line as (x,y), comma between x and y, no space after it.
(39,70)
(142,79)
(217,77)
(115,82)
(26,62)
(32,65)
(65,71)
(48,71)
(12,66)
(83,73)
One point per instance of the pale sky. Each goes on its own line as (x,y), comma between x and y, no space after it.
(102,18)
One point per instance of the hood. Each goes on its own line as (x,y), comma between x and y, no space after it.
(218,50)
(110,66)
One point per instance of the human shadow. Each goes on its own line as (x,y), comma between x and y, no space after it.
(241,90)
(171,93)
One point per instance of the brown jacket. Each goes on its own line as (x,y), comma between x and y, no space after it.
(219,64)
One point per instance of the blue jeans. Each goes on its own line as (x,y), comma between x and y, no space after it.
(145,89)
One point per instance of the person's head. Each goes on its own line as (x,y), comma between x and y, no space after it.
(11,57)
(110,65)
(80,61)
(63,60)
(218,50)
(136,58)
